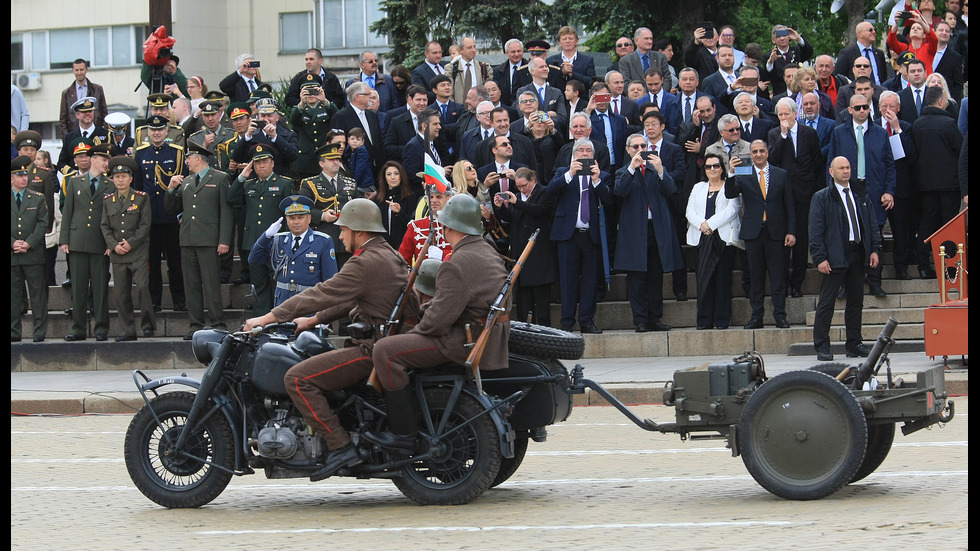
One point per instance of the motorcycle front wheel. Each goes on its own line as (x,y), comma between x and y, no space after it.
(187,478)
(466,461)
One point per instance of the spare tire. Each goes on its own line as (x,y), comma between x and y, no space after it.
(544,342)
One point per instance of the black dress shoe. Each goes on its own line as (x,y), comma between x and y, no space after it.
(841,294)
(591,328)
(703,327)
(148,332)
(657,326)
(66,283)
(681,297)
(72,338)
(38,339)
(157,308)
(180,307)
(754,324)
(877,291)
(721,327)
(125,338)
(566,328)
(223,279)
(823,353)
(927,273)
(782,324)
(336,460)
(859,351)
(189,336)
(796,292)
(241,281)
(102,337)
(902,274)
(641,328)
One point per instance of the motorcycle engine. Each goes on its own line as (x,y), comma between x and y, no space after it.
(283,436)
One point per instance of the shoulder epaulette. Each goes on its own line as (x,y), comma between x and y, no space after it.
(321,234)
(143,146)
(137,192)
(33,192)
(176,146)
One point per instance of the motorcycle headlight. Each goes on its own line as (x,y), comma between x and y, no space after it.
(201,341)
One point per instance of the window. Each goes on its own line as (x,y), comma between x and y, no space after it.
(343,24)
(118,46)
(295,32)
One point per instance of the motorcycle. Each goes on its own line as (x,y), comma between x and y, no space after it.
(182,448)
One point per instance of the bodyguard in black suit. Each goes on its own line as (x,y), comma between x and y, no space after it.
(578,194)
(913,95)
(768,227)
(795,148)
(844,242)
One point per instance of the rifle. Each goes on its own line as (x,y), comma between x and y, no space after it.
(473,361)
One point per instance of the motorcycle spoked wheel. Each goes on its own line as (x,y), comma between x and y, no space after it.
(180,480)
(467,462)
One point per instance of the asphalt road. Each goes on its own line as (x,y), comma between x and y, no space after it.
(598,482)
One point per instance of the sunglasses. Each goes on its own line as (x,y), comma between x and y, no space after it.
(623,45)
(864,66)
(860,107)
(712,167)
(733,130)
(638,146)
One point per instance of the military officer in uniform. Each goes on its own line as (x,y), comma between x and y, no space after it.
(205,233)
(301,257)
(126,219)
(81,234)
(120,143)
(260,198)
(311,122)
(85,113)
(213,134)
(158,161)
(81,161)
(466,285)
(160,107)
(43,181)
(330,191)
(28,223)
(239,115)
(365,289)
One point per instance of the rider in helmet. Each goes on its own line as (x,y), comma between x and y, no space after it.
(371,281)
(466,286)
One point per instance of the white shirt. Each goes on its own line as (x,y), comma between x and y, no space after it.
(840,191)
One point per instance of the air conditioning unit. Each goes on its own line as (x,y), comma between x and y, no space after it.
(28,81)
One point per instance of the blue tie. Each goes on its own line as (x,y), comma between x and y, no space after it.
(370,81)
(541,95)
(645,58)
(607,129)
(444,108)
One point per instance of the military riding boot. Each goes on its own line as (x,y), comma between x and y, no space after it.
(402,427)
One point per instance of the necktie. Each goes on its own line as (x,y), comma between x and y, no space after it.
(503,181)
(438,69)
(584,210)
(687,110)
(859,136)
(918,101)
(762,187)
(607,130)
(874,68)
(92,186)
(645,58)
(888,128)
(852,214)
(541,95)
(435,154)
(370,81)
(445,107)
(251,85)
(513,74)
(296,242)
(746,130)
(616,106)
(729,146)
(18,200)
(84,133)
(468,77)
(653,98)
(486,133)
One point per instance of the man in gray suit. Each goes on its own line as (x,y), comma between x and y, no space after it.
(634,66)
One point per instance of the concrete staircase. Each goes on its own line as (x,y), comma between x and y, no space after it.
(905,302)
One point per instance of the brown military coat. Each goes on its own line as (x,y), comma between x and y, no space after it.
(466,286)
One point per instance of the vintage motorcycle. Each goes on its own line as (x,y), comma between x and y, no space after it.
(182,448)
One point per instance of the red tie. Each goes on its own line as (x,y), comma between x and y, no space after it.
(438,69)
(888,127)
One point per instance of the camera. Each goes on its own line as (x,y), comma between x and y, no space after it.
(253,64)
(502,196)
(745,168)
(603,98)
(645,155)
(586,167)
(542,116)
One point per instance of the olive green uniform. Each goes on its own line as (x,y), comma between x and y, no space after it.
(28,222)
(128,217)
(312,124)
(327,195)
(206,223)
(222,135)
(81,231)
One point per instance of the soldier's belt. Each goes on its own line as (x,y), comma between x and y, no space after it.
(293,287)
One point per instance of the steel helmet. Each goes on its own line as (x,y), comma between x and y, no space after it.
(426,280)
(462,213)
(361,215)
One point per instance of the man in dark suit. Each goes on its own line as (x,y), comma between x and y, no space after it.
(404,125)
(903,214)
(608,128)
(844,242)
(550,98)
(431,66)
(357,114)
(578,193)
(634,66)
(948,62)
(645,224)
(671,154)
(865,145)
(267,130)
(500,176)
(862,68)
(716,83)
(695,137)
(783,54)
(449,110)
(469,140)
(581,127)
(701,53)
(240,84)
(376,80)
(619,103)
(667,103)
(912,96)
(864,47)
(523,147)
(747,81)
(314,66)
(753,127)
(573,63)
(425,142)
(825,127)
(768,227)
(505,74)
(688,92)
(795,148)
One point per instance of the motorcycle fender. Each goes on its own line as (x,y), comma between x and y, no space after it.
(504,430)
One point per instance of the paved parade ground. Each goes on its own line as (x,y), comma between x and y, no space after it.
(598,482)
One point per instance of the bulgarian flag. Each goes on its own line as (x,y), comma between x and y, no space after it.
(435,175)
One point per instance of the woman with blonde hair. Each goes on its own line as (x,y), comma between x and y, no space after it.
(939,80)
(804,82)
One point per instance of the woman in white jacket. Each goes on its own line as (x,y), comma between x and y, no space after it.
(713,224)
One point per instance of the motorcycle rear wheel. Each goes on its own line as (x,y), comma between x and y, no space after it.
(469,459)
(178,480)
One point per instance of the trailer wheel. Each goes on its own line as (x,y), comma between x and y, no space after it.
(544,342)
(802,435)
